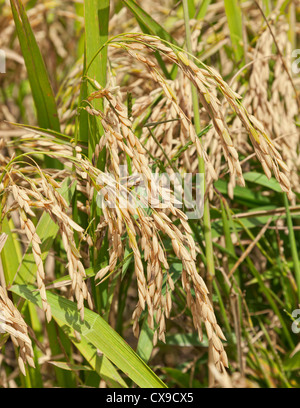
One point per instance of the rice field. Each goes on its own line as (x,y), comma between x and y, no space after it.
(149,194)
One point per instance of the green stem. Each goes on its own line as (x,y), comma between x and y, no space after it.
(201,164)
(201,167)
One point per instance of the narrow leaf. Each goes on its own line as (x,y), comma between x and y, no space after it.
(97,332)
(234,19)
(37,74)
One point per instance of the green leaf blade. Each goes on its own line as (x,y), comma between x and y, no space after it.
(97,332)
(37,74)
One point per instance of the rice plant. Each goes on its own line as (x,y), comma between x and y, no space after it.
(149,155)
